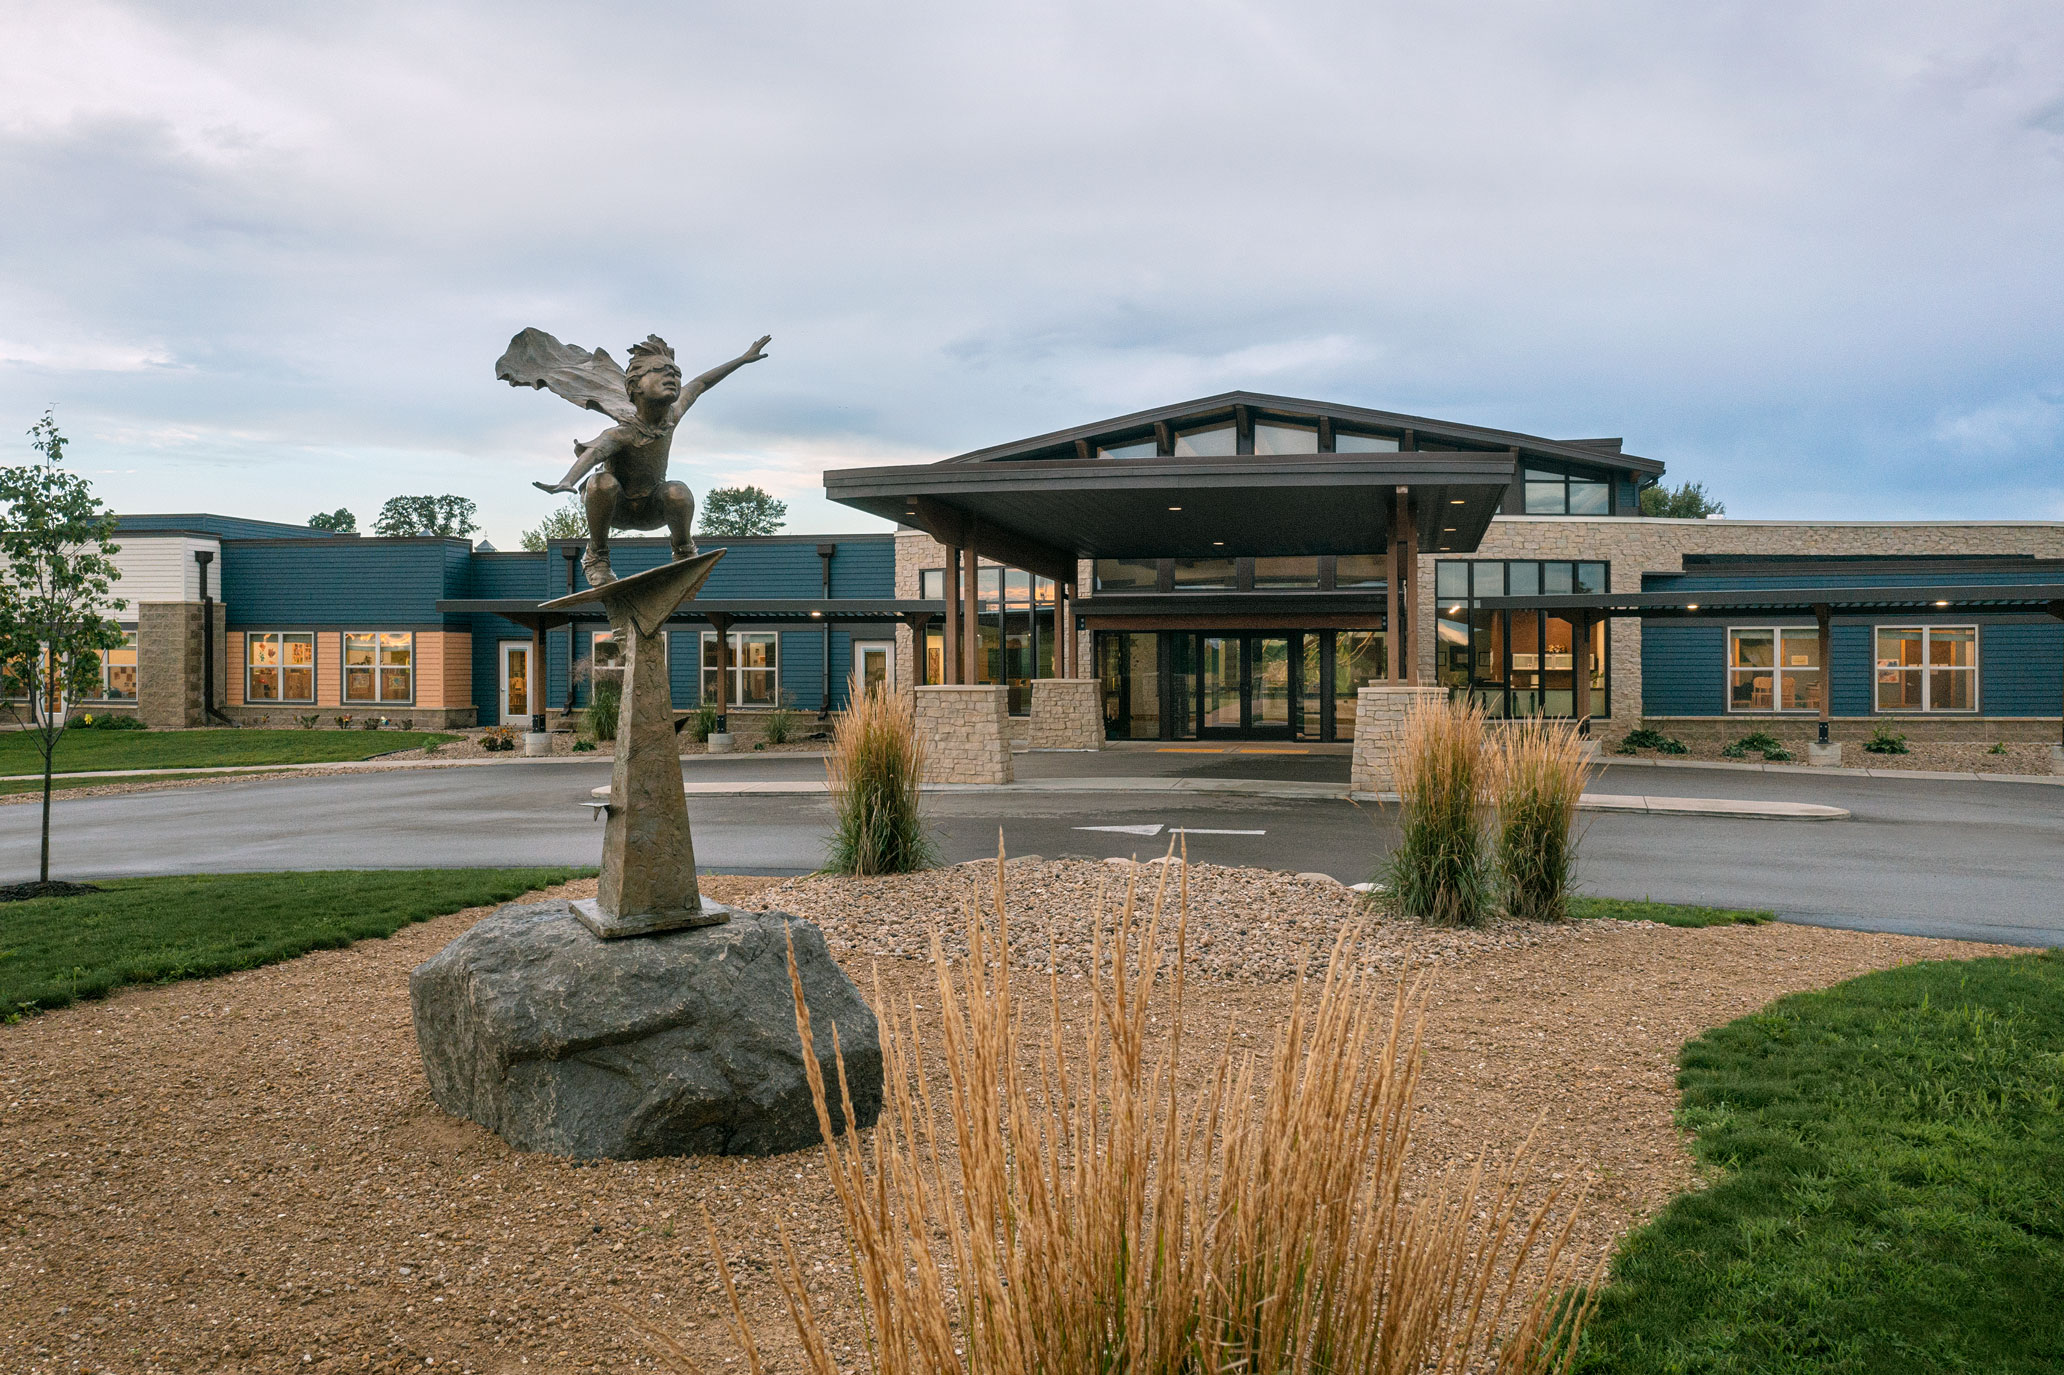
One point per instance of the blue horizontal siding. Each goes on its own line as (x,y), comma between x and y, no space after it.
(1683,667)
(1850,646)
(2021,668)
(352,582)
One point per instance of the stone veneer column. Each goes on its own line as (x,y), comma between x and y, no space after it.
(1067,714)
(966,733)
(1379,717)
(168,663)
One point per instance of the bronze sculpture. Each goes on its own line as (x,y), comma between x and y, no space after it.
(647,401)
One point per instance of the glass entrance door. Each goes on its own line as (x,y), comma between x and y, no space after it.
(1246,685)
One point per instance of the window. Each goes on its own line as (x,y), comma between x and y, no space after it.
(1281,437)
(931,584)
(1773,668)
(1286,572)
(1519,663)
(1360,570)
(118,671)
(1348,442)
(1550,493)
(1139,448)
(1927,668)
(379,666)
(1208,441)
(1205,575)
(754,665)
(279,666)
(1128,575)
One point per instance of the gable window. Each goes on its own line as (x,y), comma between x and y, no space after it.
(1138,448)
(1348,442)
(1281,437)
(1208,441)
(279,666)
(1550,493)
(1774,668)
(1927,668)
(379,666)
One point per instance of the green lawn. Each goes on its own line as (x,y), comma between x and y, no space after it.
(153,930)
(1668,913)
(9,786)
(83,750)
(1888,1195)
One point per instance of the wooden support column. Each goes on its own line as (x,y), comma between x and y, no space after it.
(1392,661)
(722,625)
(1580,629)
(949,636)
(919,622)
(971,618)
(537,677)
(1827,668)
(1064,662)
(1408,601)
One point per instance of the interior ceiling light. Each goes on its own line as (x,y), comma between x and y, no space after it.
(1218,543)
(1942,603)
(1454,501)
(1691,606)
(1175,508)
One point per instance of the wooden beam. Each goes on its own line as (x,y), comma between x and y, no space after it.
(1409,598)
(971,617)
(1394,547)
(1164,439)
(1580,629)
(1061,663)
(949,640)
(1082,450)
(958,530)
(722,625)
(1827,668)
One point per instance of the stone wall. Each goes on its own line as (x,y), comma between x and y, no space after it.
(169,656)
(1635,545)
(966,733)
(1379,717)
(1067,714)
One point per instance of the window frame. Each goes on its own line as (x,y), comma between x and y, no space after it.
(1498,695)
(1779,671)
(379,667)
(1538,475)
(1925,669)
(280,639)
(135,666)
(736,699)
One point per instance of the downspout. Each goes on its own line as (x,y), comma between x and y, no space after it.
(824,552)
(204,557)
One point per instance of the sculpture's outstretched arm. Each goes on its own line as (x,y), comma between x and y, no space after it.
(586,458)
(717,374)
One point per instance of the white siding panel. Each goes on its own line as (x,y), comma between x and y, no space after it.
(161,568)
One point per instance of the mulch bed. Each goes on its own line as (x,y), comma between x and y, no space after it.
(248,1174)
(55,888)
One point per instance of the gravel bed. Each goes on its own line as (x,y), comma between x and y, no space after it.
(1255,925)
(247,1174)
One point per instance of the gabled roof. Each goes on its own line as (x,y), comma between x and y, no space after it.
(221,527)
(1422,431)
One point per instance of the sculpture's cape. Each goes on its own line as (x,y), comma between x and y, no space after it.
(593,380)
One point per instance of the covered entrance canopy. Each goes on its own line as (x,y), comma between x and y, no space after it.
(1241,475)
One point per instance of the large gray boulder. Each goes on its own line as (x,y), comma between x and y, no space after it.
(682,1043)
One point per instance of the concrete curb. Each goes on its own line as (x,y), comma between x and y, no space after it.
(1590,802)
(1617,762)
(388,765)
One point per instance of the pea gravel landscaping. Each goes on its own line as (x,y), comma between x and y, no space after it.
(247,1173)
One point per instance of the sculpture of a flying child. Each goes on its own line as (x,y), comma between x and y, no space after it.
(647,400)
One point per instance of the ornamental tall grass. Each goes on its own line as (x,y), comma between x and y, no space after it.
(875,765)
(1091,1205)
(1541,771)
(1442,867)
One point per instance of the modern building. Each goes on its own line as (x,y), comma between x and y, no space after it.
(1228,567)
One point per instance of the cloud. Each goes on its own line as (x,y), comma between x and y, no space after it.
(1772,246)
(2021,426)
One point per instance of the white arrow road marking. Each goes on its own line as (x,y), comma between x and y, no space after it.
(1198,831)
(1152,830)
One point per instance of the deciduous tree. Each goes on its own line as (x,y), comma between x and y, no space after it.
(439,515)
(568,522)
(56,572)
(741,511)
(1689,502)
(339,521)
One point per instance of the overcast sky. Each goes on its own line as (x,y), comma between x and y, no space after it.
(261,259)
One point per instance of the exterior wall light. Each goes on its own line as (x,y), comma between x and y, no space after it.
(1942,603)
(1691,606)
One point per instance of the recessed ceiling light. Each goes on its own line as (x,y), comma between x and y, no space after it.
(1691,606)
(1218,544)
(1449,530)
(1942,603)
(1454,501)
(1454,610)
(1175,508)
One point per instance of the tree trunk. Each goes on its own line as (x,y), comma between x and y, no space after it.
(49,748)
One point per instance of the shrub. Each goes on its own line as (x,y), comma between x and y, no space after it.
(309,722)
(1757,742)
(605,704)
(1441,869)
(778,726)
(875,766)
(1883,741)
(343,722)
(372,723)
(1647,738)
(1998,748)
(497,738)
(104,721)
(583,746)
(1116,1208)
(433,746)
(703,724)
(1539,775)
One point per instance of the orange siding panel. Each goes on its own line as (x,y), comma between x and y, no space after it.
(329,668)
(236,668)
(456,682)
